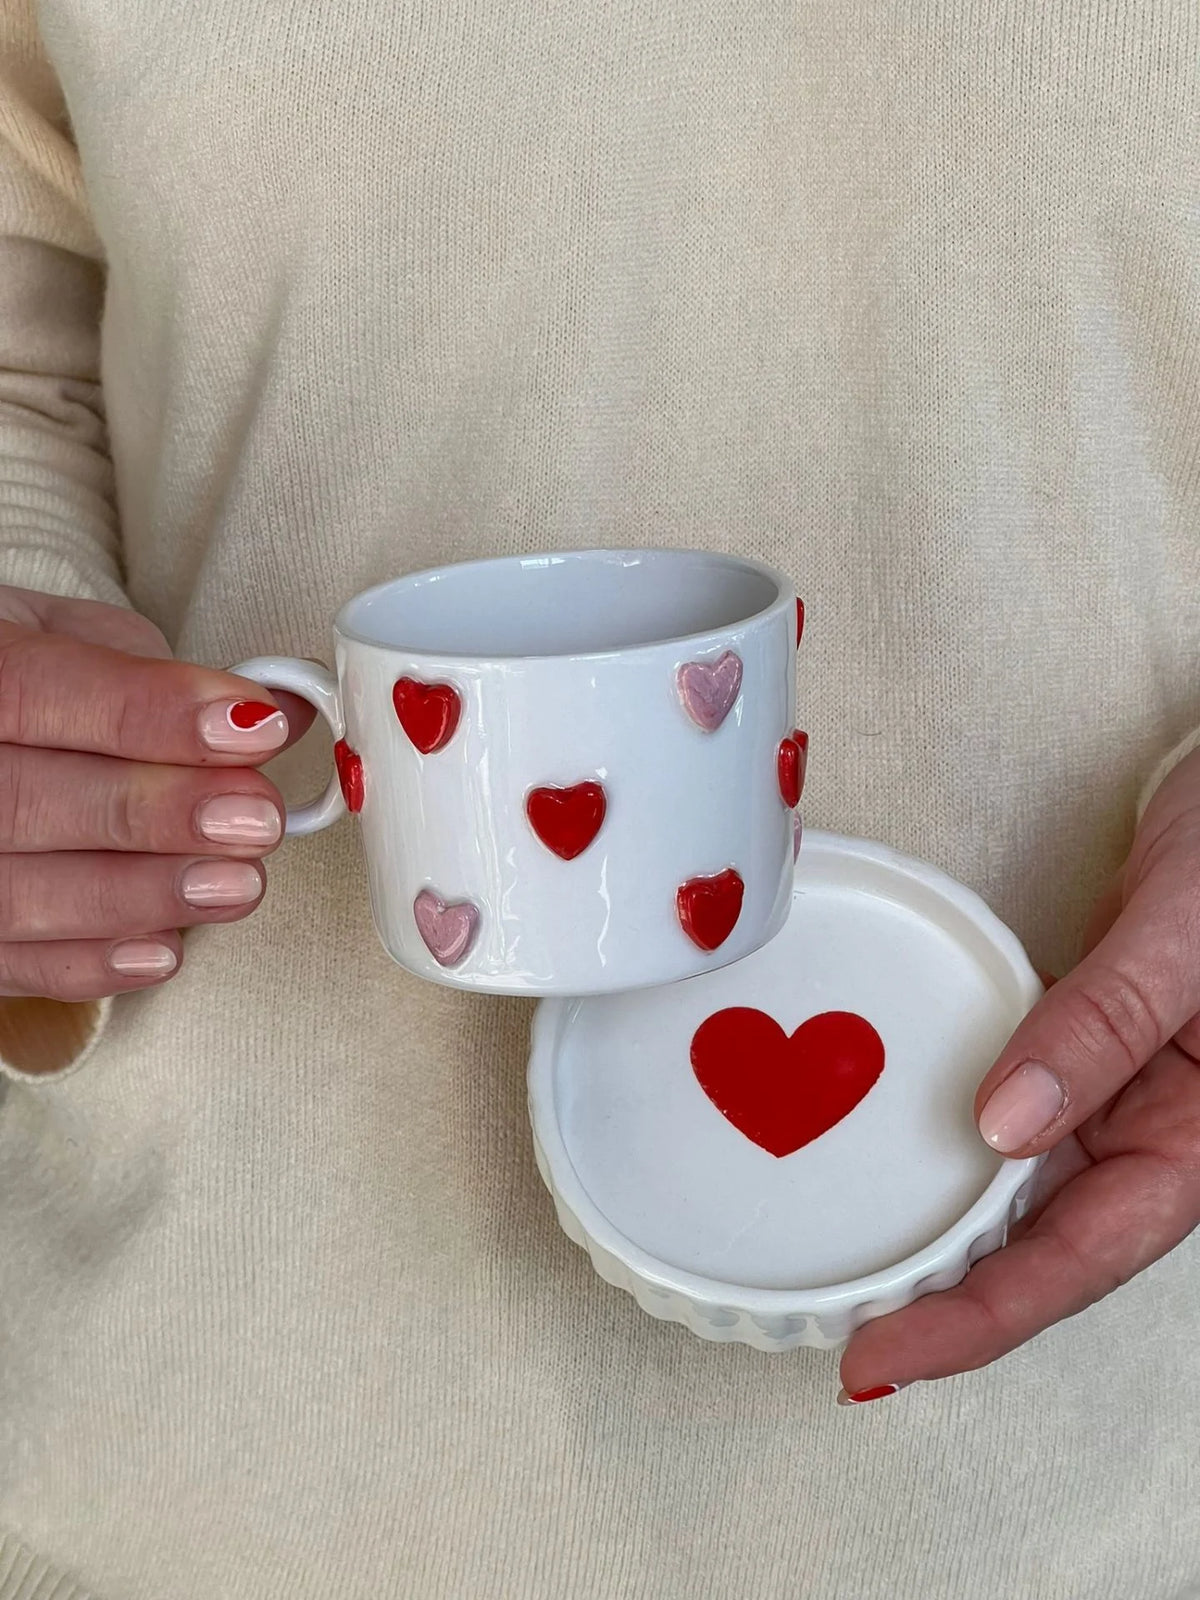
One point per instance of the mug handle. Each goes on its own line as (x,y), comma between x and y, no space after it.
(319,687)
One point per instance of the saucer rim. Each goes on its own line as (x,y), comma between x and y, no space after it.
(952,1248)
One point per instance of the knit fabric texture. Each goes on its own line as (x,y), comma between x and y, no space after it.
(903,298)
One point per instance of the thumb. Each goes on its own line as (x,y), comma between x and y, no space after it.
(1098,1026)
(1105,912)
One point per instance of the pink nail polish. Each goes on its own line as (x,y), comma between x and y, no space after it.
(242,819)
(142,958)
(212,884)
(860,1397)
(242,727)
(1024,1105)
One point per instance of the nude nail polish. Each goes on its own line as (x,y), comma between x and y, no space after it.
(242,727)
(211,884)
(142,958)
(244,819)
(1025,1104)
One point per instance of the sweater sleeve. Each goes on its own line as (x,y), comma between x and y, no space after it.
(57,518)
(58,526)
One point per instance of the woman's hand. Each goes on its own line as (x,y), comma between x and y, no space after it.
(1105,1074)
(129,807)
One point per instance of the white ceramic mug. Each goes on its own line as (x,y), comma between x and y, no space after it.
(575,773)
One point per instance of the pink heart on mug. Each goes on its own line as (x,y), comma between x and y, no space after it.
(448,930)
(709,688)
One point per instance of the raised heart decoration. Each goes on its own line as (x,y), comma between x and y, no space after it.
(783,1092)
(799,621)
(708,908)
(792,765)
(708,689)
(350,774)
(428,712)
(566,820)
(448,930)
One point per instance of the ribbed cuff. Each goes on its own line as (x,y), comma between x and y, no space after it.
(41,1040)
(24,1576)
(71,575)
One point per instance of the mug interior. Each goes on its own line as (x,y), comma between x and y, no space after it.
(566,604)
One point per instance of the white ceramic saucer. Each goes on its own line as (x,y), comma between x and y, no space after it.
(779,1150)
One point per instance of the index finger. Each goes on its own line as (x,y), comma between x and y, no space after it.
(58,692)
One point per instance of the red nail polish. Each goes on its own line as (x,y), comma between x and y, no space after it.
(861,1396)
(246,714)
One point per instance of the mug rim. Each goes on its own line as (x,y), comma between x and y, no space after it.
(783,599)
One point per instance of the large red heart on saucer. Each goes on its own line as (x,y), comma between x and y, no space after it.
(428,712)
(784,1091)
(566,820)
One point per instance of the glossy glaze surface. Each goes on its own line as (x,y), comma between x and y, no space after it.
(812,1161)
(563,744)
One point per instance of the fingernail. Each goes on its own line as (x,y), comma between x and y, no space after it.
(142,958)
(220,883)
(1025,1104)
(248,819)
(861,1396)
(242,727)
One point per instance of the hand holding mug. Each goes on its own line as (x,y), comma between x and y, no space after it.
(130,806)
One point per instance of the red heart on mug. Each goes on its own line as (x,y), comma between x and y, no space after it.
(566,820)
(792,764)
(350,774)
(708,908)
(784,1091)
(800,740)
(428,712)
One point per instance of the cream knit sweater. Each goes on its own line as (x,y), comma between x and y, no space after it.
(900,295)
